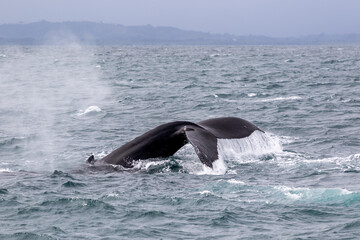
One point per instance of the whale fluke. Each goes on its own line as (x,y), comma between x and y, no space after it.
(204,143)
(166,139)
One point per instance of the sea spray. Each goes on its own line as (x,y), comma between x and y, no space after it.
(42,98)
(249,148)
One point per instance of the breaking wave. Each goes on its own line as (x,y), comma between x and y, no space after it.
(89,110)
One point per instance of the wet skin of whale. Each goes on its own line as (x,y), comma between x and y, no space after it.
(167,139)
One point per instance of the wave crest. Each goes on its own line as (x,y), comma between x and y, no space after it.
(89,110)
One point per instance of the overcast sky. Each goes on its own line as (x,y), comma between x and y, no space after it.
(277,18)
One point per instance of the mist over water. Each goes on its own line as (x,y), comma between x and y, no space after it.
(43,88)
(299,179)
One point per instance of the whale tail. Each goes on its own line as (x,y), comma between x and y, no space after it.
(91,160)
(168,138)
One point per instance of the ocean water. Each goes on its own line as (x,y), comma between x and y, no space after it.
(299,180)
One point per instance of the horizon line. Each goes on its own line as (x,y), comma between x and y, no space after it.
(199,31)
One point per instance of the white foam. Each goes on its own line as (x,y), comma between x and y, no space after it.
(193,165)
(219,168)
(113,195)
(308,194)
(91,109)
(150,164)
(5,170)
(292,193)
(231,172)
(337,160)
(237,182)
(205,192)
(291,98)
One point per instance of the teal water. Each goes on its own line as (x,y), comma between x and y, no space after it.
(298,181)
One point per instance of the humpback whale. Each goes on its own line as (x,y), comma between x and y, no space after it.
(166,139)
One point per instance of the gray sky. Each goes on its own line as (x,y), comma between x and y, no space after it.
(277,18)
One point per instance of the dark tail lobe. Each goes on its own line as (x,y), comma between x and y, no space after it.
(91,159)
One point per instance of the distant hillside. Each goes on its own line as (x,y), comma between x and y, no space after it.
(115,34)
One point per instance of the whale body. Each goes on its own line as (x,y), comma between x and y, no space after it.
(166,139)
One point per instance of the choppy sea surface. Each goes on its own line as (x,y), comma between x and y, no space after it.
(299,180)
